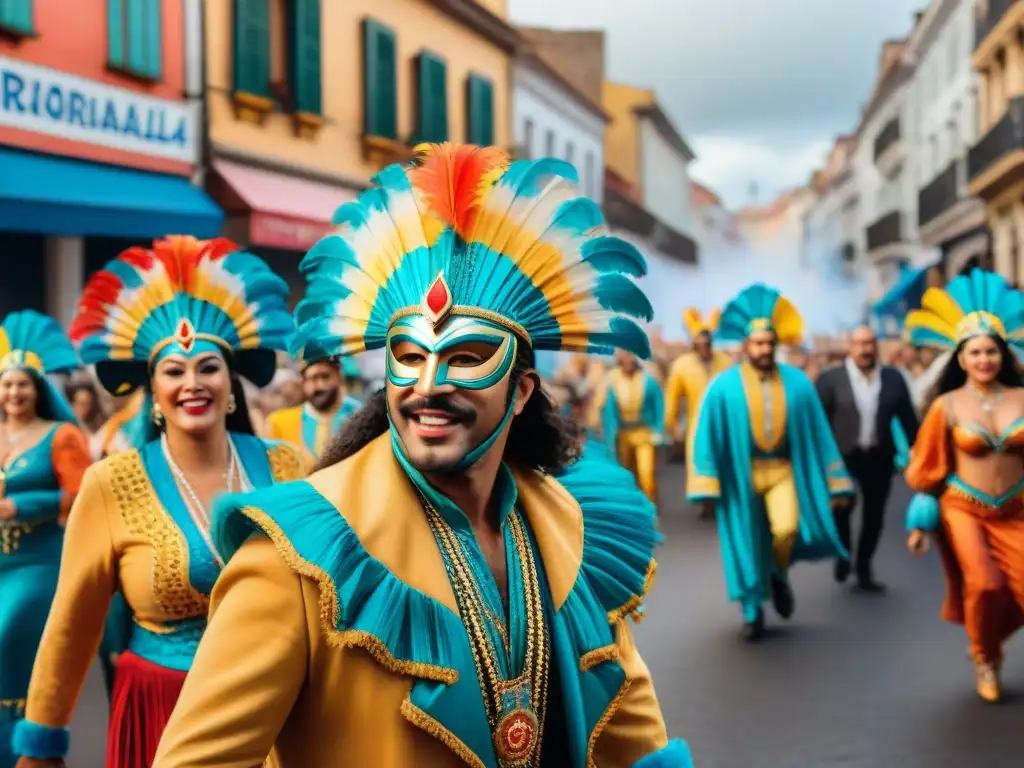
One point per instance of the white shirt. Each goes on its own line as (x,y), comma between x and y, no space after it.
(866,390)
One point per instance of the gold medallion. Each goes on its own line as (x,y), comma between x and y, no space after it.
(515,736)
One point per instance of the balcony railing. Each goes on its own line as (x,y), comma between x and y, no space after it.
(622,212)
(941,193)
(986,22)
(888,136)
(674,243)
(885,231)
(1002,138)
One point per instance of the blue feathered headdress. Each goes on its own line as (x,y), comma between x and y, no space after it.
(979,304)
(182,294)
(35,343)
(760,308)
(467,232)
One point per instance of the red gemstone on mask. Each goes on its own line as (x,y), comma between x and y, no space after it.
(437,296)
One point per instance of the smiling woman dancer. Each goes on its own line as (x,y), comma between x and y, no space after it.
(183,320)
(42,459)
(967,463)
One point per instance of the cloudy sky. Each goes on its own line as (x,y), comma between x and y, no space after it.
(758,87)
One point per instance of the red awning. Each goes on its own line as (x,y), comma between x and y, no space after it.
(284,211)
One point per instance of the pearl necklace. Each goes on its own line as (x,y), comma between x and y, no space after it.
(987,402)
(196,510)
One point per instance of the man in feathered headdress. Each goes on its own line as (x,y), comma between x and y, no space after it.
(689,377)
(452,587)
(631,419)
(764,453)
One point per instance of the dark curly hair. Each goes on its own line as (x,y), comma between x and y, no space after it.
(540,437)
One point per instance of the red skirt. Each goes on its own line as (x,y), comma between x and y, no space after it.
(144,697)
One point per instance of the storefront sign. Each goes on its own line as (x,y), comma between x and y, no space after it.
(67,106)
(284,232)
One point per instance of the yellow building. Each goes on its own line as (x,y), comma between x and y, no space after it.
(306,99)
(996,161)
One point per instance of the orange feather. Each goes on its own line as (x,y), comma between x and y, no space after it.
(454,178)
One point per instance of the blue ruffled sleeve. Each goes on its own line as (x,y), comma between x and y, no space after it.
(923,513)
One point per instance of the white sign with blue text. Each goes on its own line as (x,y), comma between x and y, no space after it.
(55,103)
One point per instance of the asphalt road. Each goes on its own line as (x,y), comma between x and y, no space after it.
(851,681)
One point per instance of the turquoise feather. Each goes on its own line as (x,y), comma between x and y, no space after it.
(30,331)
(756,301)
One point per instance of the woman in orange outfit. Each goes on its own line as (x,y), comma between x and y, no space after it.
(968,463)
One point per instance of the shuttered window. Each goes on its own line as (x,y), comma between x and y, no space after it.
(479,111)
(304,56)
(431,98)
(134,41)
(380,81)
(16,16)
(251,43)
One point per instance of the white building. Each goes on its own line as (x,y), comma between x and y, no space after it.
(945,94)
(553,113)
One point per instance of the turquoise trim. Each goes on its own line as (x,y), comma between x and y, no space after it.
(348,406)
(652,412)
(618,541)
(40,742)
(173,649)
(986,498)
(675,754)
(902,444)
(996,442)
(923,513)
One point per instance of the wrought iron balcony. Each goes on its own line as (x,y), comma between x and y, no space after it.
(886,230)
(987,20)
(941,193)
(888,136)
(1004,137)
(622,212)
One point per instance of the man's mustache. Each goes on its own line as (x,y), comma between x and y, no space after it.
(437,403)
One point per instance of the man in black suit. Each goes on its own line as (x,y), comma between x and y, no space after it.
(861,397)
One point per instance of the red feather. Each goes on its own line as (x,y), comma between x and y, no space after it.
(453,179)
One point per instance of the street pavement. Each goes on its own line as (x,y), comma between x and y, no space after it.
(851,681)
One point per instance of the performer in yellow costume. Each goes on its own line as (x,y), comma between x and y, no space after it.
(363,624)
(690,375)
(181,320)
(632,418)
(764,453)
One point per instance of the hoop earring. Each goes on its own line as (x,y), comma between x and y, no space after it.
(232,404)
(157,415)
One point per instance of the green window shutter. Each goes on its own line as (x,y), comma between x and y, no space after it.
(16,16)
(134,40)
(479,111)
(380,81)
(252,47)
(304,39)
(432,86)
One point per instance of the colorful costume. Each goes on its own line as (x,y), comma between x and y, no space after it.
(689,378)
(377,640)
(764,452)
(131,529)
(303,426)
(632,417)
(40,480)
(980,537)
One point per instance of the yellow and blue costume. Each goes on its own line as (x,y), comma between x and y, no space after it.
(131,530)
(689,376)
(764,452)
(40,480)
(631,418)
(365,610)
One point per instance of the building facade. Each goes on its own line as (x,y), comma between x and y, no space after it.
(553,113)
(648,201)
(945,91)
(995,164)
(306,100)
(100,140)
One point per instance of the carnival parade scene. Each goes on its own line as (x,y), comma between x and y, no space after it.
(511,384)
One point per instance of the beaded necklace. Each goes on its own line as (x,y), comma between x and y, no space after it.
(515,708)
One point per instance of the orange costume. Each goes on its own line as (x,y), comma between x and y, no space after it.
(981,538)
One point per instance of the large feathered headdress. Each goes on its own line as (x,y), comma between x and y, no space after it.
(760,308)
(467,232)
(697,324)
(36,343)
(978,304)
(181,294)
